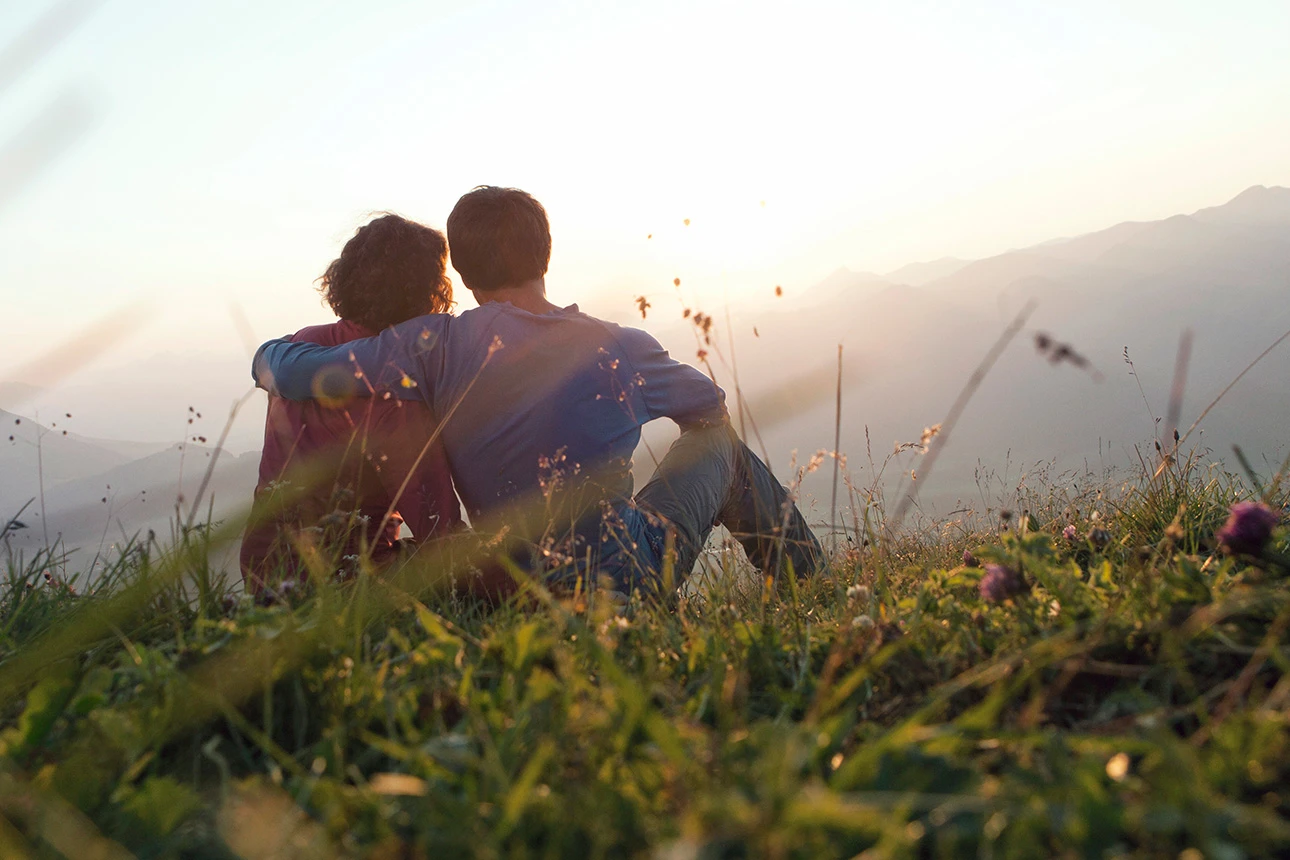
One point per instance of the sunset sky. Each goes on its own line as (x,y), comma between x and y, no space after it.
(209,154)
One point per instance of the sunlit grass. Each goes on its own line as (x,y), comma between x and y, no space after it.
(1130,699)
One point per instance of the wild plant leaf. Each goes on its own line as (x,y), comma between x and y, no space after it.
(159,806)
(45,704)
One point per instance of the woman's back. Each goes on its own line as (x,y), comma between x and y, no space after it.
(339,467)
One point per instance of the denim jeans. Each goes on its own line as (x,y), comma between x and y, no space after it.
(709,477)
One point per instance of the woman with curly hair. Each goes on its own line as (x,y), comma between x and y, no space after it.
(340,475)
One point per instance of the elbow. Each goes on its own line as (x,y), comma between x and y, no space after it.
(718,417)
(262,371)
(284,375)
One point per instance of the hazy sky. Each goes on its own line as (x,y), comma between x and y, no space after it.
(221,152)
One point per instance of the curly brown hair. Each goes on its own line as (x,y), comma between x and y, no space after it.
(390,271)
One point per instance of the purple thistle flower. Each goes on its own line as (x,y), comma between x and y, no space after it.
(1000,583)
(1070,533)
(1248,528)
(969,560)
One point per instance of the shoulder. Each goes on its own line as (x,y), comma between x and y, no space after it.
(330,334)
(626,336)
(419,334)
(633,341)
(465,329)
(473,317)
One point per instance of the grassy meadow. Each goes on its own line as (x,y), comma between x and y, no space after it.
(1088,674)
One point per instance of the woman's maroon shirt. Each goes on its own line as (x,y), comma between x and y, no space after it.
(352,457)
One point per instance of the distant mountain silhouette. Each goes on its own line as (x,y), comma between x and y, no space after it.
(1223,272)
(93,492)
(917,274)
(1255,206)
(64,455)
(844,284)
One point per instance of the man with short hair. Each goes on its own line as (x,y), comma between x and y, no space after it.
(541,409)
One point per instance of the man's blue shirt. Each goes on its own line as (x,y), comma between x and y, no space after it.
(539,414)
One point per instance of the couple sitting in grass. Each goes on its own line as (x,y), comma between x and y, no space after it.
(533,409)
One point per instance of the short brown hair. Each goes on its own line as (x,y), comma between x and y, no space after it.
(390,271)
(499,237)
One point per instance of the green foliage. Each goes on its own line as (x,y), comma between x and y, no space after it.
(1131,701)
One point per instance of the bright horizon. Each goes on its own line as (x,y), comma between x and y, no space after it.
(220,155)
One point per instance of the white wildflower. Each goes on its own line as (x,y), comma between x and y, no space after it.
(862,622)
(859,592)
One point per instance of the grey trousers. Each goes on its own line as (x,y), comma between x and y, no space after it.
(709,477)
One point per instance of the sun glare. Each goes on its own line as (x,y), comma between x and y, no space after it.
(721,237)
